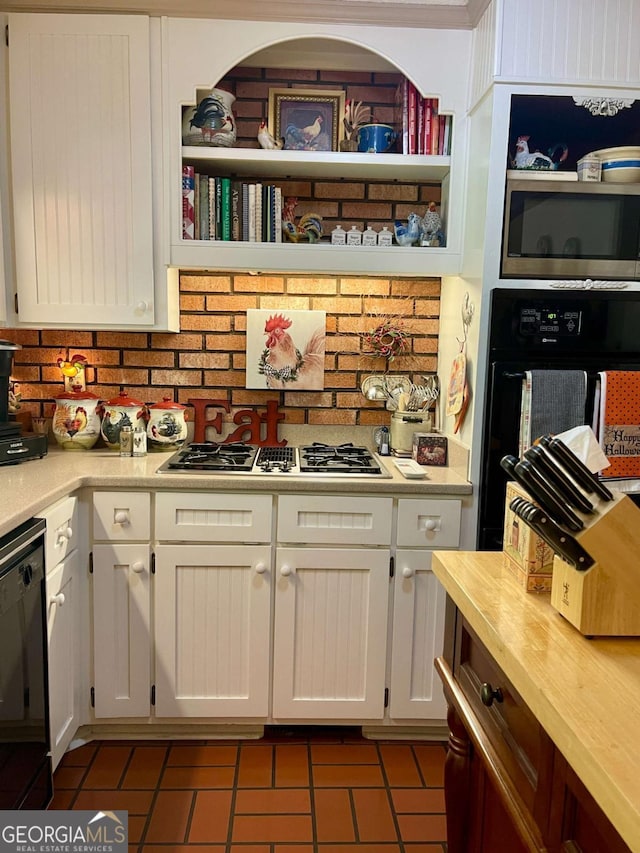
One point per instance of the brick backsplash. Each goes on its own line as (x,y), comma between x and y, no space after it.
(207,358)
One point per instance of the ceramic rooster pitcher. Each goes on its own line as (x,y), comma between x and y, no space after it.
(212,122)
(76,421)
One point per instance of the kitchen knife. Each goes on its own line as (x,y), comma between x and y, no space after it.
(556,477)
(543,494)
(538,492)
(574,466)
(561,542)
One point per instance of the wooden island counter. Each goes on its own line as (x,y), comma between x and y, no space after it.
(544,747)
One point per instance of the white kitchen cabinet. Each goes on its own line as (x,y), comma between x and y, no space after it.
(415,691)
(121,630)
(81,97)
(122,516)
(212,610)
(67,604)
(330,633)
(64,640)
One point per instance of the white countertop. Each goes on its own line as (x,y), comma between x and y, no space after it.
(28,487)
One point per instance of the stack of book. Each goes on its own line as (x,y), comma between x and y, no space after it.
(420,125)
(222,208)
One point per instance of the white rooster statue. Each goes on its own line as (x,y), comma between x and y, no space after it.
(265,139)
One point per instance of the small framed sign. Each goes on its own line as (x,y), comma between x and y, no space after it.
(307,120)
(429,448)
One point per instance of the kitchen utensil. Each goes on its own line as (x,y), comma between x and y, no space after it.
(619,165)
(575,467)
(373,388)
(561,542)
(544,464)
(522,473)
(403,426)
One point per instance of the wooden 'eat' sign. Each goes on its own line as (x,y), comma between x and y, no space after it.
(250,423)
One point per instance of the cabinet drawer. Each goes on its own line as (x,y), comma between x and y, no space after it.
(335,520)
(123,516)
(194,517)
(429,523)
(508,723)
(63,534)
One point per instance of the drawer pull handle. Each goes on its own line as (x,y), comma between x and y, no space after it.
(407,572)
(66,534)
(57,599)
(261,568)
(285,571)
(137,567)
(121,517)
(488,694)
(430,524)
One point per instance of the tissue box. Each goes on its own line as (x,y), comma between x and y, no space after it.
(525,554)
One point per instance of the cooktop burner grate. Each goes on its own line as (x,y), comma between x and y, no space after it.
(345,458)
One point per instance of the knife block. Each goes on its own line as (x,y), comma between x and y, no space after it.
(604,600)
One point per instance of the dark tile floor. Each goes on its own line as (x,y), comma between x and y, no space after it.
(296,790)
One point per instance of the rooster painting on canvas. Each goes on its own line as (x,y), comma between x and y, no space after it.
(285,349)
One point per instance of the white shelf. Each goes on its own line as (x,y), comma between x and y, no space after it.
(322,257)
(331,164)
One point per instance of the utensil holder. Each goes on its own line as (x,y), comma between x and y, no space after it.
(604,600)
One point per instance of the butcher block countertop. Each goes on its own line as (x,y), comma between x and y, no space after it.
(29,487)
(585,693)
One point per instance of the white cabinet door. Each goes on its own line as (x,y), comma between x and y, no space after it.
(213,625)
(65,640)
(80,109)
(415,691)
(330,633)
(121,630)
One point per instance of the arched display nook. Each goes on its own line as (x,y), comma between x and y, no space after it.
(204,53)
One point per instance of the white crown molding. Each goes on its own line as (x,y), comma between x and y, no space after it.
(423,13)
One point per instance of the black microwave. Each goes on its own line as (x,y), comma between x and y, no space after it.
(571,229)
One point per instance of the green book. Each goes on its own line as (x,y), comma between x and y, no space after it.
(225,184)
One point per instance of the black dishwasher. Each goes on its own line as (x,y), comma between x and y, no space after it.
(25,763)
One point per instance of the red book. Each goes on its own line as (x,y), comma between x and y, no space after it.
(428,118)
(420,125)
(188,203)
(443,122)
(413,118)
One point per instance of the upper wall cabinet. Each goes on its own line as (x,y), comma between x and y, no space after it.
(201,53)
(81,171)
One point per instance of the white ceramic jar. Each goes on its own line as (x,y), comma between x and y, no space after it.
(167,428)
(76,420)
(119,412)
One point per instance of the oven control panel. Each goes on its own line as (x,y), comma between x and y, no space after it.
(550,320)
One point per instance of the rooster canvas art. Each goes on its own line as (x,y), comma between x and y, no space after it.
(285,349)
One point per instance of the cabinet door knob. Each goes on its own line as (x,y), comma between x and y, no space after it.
(121,517)
(407,572)
(488,694)
(137,567)
(57,599)
(285,571)
(430,524)
(143,306)
(65,533)
(261,568)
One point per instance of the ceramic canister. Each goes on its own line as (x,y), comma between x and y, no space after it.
(167,428)
(376,138)
(76,421)
(211,122)
(119,412)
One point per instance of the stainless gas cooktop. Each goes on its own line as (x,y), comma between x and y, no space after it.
(344,460)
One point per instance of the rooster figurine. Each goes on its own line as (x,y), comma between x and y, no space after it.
(432,227)
(284,365)
(265,139)
(308,228)
(409,234)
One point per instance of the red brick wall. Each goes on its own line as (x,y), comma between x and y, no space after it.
(207,358)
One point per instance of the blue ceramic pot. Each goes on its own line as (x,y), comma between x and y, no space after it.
(376,138)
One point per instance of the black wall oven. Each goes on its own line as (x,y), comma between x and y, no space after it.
(25,763)
(532,329)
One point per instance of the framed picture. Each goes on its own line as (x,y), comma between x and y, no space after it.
(307,120)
